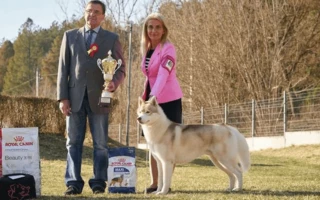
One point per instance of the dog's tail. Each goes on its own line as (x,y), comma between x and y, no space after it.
(243,152)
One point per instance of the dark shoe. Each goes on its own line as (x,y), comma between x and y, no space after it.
(72,190)
(150,190)
(98,190)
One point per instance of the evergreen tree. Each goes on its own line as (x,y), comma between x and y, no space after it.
(6,52)
(50,69)
(20,77)
(49,62)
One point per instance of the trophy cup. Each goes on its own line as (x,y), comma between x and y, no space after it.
(108,66)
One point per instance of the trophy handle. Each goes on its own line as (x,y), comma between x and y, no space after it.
(99,62)
(119,63)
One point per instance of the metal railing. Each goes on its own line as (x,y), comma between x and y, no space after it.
(294,111)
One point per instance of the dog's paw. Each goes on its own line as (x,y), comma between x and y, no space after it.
(155,192)
(161,193)
(236,189)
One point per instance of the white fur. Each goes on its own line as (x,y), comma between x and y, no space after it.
(172,143)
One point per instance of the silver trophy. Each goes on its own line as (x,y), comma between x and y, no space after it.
(108,66)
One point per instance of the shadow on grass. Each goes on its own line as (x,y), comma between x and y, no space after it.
(207,162)
(278,193)
(254,192)
(264,165)
(266,193)
(95,197)
(53,147)
(202,162)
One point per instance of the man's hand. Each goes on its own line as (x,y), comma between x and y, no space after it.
(64,106)
(111,87)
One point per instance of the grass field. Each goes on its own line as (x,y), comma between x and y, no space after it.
(289,173)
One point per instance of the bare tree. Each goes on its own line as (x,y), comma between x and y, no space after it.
(121,11)
(233,51)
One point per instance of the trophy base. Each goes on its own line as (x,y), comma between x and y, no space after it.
(105,102)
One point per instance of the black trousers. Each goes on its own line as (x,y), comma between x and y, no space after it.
(172,109)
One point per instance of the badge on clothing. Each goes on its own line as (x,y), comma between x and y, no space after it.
(168,63)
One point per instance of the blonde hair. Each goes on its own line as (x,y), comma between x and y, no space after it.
(145,41)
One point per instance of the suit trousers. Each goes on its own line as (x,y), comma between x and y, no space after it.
(76,129)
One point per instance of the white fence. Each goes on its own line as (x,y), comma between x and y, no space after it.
(288,139)
(293,112)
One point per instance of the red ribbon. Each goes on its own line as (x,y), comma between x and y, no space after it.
(93,49)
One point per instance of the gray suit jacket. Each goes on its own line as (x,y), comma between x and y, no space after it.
(78,71)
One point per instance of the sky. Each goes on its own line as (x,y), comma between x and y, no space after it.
(43,12)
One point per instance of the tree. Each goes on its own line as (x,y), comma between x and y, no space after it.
(29,49)
(244,49)
(49,63)
(6,52)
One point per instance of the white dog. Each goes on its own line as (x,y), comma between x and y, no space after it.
(172,143)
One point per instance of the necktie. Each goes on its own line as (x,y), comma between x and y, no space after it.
(88,42)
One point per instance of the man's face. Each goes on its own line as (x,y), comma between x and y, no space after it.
(93,15)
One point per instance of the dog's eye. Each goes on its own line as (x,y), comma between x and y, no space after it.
(147,111)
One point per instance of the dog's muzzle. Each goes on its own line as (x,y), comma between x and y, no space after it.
(139,119)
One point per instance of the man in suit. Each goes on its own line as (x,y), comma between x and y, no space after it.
(79,86)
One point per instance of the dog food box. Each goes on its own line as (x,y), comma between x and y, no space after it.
(122,170)
(19,153)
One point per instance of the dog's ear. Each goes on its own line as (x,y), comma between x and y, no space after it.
(153,101)
(141,101)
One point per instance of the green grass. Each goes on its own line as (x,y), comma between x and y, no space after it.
(289,173)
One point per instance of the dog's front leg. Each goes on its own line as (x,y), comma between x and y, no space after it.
(167,175)
(160,175)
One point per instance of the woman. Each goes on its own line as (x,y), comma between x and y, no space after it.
(159,67)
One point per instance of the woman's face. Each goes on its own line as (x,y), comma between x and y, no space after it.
(155,30)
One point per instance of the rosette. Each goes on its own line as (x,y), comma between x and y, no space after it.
(93,49)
